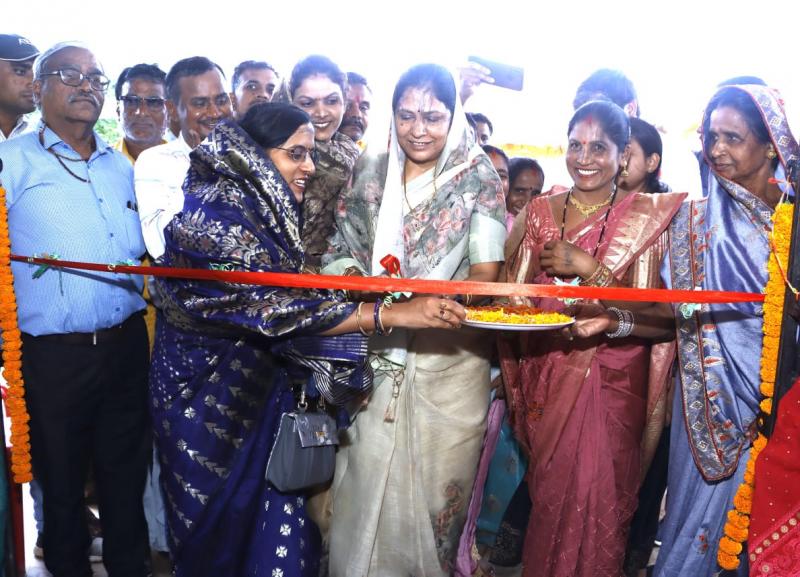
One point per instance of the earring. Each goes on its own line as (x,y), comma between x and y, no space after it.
(771,153)
(624,173)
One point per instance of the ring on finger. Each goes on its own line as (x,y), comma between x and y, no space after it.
(442,312)
(443,305)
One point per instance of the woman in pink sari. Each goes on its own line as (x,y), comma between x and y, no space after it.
(583,401)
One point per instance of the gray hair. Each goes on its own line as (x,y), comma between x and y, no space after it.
(40,63)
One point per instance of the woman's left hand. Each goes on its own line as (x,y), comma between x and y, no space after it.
(590,319)
(560,257)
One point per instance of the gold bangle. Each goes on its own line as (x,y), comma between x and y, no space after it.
(358,321)
(601,277)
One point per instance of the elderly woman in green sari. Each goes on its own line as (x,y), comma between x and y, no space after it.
(405,472)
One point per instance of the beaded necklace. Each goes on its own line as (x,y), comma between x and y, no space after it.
(59,157)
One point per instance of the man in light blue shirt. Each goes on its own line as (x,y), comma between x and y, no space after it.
(85,355)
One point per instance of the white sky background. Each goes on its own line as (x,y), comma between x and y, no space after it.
(675,51)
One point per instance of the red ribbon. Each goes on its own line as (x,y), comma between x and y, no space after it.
(417,286)
(391,264)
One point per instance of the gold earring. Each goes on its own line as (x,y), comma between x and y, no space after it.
(771,153)
(624,173)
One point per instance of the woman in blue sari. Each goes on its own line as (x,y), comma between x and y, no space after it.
(720,243)
(230,358)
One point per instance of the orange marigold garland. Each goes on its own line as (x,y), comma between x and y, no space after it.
(738,524)
(12,358)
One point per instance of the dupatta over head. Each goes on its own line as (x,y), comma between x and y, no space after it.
(226,360)
(722,243)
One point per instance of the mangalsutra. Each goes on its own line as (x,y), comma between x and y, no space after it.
(405,193)
(588,209)
(60,157)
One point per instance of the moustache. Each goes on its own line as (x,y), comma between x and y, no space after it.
(84,96)
(353,122)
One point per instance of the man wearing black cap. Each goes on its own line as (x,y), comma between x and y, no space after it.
(16,84)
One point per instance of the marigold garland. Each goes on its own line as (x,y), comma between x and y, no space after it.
(12,358)
(738,525)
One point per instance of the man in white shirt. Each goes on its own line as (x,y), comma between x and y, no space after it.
(196,96)
(16,84)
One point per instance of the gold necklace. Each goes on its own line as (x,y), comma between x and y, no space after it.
(405,193)
(587,209)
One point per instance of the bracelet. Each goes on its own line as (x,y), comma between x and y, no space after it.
(467,299)
(376,313)
(624,323)
(379,328)
(358,321)
(601,277)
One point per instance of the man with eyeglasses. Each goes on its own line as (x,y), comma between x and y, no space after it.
(16,79)
(142,109)
(196,96)
(70,196)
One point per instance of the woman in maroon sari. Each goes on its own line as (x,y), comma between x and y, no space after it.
(583,400)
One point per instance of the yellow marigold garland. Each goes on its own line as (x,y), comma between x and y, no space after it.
(738,524)
(12,358)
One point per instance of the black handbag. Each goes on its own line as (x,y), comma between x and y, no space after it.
(304,453)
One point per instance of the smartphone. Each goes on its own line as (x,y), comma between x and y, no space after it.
(505,75)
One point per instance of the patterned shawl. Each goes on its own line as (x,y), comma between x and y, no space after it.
(458,218)
(239,215)
(721,243)
(335,162)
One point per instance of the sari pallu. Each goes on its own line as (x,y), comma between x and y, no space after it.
(718,243)
(588,412)
(225,358)
(402,486)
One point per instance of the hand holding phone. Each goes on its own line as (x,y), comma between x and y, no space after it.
(503,75)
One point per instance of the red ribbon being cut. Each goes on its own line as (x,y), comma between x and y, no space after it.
(420,286)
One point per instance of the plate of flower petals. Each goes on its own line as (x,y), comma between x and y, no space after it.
(516,318)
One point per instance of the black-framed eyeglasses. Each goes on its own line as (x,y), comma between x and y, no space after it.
(72,77)
(298,153)
(132,102)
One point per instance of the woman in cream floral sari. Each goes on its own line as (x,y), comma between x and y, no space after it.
(405,472)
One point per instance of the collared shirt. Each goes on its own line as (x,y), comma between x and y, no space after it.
(51,212)
(159,175)
(19,128)
(122,146)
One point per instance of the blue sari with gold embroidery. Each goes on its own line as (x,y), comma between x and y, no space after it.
(225,360)
(717,243)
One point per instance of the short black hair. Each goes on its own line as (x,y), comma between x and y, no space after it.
(316,64)
(518,164)
(433,76)
(493,150)
(146,71)
(356,78)
(243,67)
(192,66)
(479,117)
(605,83)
